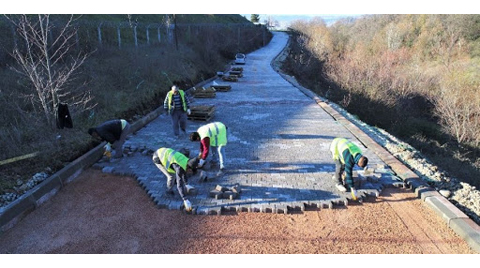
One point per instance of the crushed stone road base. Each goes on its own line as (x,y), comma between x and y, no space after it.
(105,213)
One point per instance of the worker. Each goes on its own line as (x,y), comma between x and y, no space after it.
(114,132)
(345,155)
(171,162)
(211,135)
(177,105)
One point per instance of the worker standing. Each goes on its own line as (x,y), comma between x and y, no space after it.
(172,162)
(114,132)
(345,155)
(211,135)
(178,106)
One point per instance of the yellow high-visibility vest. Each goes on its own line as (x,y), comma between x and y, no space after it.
(182,95)
(216,131)
(341,144)
(169,156)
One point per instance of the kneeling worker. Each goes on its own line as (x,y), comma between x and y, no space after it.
(211,135)
(171,162)
(345,155)
(114,132)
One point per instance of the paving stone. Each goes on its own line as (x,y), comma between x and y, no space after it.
(277,152)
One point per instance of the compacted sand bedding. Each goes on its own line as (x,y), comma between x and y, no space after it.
(104,213)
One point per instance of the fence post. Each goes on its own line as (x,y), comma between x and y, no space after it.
(148,37)
(135,35)
(99,34)
(119,37)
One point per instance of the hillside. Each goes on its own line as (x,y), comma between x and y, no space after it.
(129,62)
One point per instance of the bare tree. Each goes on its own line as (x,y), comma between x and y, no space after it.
(45,56)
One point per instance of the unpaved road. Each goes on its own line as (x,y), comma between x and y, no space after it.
(103,213)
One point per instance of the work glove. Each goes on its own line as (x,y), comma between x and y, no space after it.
(188,205)
(201,163)
(189,112)
(354,194)
(108,150)
(108,147)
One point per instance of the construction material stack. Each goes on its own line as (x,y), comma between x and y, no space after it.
(222,88)
(202,112)
(203,92)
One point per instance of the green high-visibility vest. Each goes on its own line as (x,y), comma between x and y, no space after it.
(169,156)
(216,132)
(341,144)
(182,95)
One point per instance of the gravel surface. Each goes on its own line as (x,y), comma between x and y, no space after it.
(104,213)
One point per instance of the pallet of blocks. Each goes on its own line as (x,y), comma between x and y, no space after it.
(203,92)
(238,69)
(201,112)
(230,78)
(222,88)
(236,73)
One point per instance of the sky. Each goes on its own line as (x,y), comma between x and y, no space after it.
(285,20)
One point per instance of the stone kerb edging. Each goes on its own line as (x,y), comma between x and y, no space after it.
(12,213)
(18,209)
(458,221)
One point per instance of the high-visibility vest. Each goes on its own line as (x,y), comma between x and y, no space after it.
(169,156)
(182,95)
(215,131)
(341,144)
(124,123)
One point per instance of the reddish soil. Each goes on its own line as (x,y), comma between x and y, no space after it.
(102,213)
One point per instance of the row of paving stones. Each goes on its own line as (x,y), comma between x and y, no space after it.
(277,151)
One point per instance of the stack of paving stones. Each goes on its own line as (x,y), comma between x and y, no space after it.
(230,78)
(203,92)
(277,151)
(222,88)
(201,112)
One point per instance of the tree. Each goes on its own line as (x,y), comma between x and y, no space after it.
(45,57)
(255,18)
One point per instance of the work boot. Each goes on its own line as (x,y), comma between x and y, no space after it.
(341,188)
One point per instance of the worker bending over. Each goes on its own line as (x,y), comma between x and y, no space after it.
(345,155)
(114,132)
(211,135)
(172,162)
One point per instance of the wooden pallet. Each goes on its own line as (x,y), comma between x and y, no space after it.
(203,92)
(201,112)
(236,73)
(230,78)
(222,88)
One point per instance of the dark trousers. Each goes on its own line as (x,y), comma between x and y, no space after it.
(179,119)
(339,169)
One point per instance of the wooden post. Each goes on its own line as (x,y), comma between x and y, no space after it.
(119,37)
(99,34)
(148,37)
(135,35)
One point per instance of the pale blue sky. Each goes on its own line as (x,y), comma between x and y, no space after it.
(286,19)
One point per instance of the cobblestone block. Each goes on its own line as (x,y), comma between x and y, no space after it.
(108,170)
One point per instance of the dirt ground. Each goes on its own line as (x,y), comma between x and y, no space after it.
(103,213)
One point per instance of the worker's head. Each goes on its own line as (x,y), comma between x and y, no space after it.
(174,89)
(362,162)
(185,152)
(194,136)
(192,164)
(93,132)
